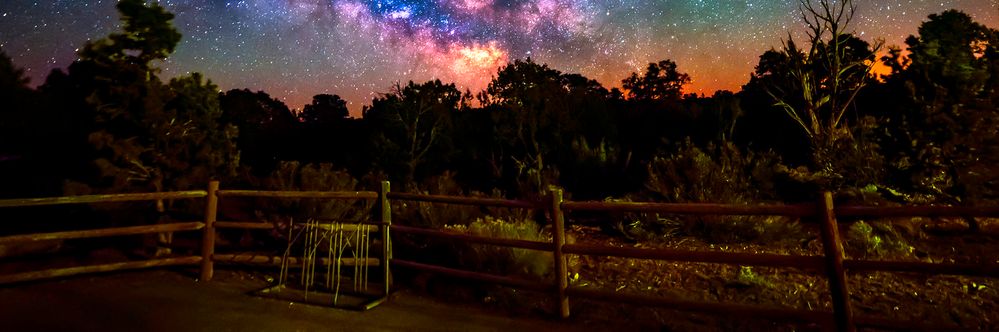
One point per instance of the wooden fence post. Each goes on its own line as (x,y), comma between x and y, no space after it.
(386,220)
(208,236)
(558,237)
(833,249)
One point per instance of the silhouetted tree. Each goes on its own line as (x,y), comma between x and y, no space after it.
(410,123)
(942,132)
(324,111)
(660,82)
(150,135)
(267,128)
(538,112)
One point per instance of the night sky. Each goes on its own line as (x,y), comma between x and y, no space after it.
(294,49)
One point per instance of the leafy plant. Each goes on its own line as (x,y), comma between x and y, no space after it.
(864,240)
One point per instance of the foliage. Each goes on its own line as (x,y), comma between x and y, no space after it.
(266,128)
(719,174)
(21,143)
(661,82)
(291,176)
(865,240)
(436,216)
(505,260)
(149,135)
(325,109)
(410,123)
(942,129)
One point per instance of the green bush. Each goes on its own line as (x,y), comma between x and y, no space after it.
(865,240)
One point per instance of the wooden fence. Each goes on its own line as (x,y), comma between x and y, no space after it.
(204,226)
(831,263)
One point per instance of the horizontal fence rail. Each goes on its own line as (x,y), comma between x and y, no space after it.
(513,243)
(85,199)
(769,260)
(104,232)
(798,210)
(494,202)
(973,270)
(485,277)
(300,194)
(832,262)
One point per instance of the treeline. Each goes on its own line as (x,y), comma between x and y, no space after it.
(812,116)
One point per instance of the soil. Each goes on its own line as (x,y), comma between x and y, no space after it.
(926,301)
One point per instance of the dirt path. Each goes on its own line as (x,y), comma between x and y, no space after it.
(161,300)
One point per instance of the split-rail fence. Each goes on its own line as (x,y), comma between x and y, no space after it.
(832,263)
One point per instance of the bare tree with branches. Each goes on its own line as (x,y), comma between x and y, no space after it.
(824,80)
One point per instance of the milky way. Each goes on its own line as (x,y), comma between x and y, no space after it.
(294,49)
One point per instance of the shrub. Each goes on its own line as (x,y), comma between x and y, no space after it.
(864,240)
(717,174)
(292,176)
(505,260)
(435,215)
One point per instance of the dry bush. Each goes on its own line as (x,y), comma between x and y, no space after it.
(291,176)
(505,260)
(718,174)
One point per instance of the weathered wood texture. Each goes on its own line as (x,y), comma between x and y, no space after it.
(208,236)
(976,270)
(514,243)
(770,260)
(561,264)
(385,218)
(299,194)
(56,273)
(84,199)
(104,232)
(465,200)
(832,246)
(832,263)
(796,210)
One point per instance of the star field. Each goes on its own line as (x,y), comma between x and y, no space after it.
(294,49)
